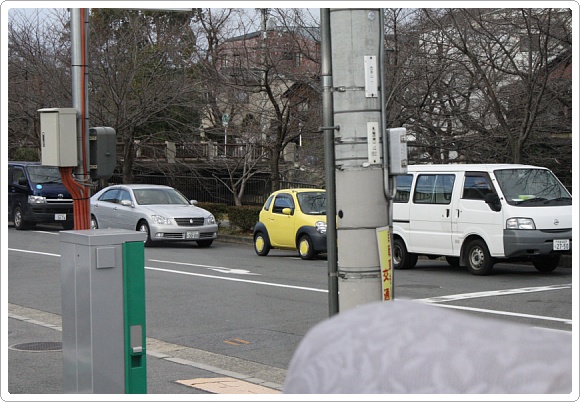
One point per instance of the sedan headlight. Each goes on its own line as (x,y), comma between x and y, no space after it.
(320,227)
(520,223)
(36,199)
(210,220)
(161,220)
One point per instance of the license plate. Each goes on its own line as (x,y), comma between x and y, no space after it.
(562,244)
(190,234)
(60,217)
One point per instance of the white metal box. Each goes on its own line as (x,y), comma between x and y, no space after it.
(58,137)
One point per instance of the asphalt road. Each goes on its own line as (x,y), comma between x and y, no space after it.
(228,308)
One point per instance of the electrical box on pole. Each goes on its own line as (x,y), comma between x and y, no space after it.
(58,130)
(103,152)
(397,138)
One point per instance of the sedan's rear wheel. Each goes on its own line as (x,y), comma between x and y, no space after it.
(261,244)
(142,226)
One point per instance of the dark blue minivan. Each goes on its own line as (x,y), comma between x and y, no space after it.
(36,194)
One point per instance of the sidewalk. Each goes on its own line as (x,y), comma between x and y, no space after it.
(171,369)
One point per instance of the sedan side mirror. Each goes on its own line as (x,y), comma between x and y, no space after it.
(126,203)
(193,202)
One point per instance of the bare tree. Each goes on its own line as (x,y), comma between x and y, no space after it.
(38,73)
(142,81)
(504,56)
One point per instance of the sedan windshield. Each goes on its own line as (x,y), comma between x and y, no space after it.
(532,187)
(148,196)
(312,203)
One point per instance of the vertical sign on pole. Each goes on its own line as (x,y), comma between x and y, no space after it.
(386,262)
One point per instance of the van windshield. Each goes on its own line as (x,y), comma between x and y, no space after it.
(44,174)
(532,187)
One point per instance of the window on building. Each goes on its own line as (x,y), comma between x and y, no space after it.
(298,59)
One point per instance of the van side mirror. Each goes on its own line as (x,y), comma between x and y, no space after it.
(22,181)
(493,201)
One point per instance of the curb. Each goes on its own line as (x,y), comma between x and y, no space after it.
(235,239)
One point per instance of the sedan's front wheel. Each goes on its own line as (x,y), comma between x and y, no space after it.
(94,223)
(142,226)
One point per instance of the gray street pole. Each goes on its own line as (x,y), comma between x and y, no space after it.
(360,200)
(328,131)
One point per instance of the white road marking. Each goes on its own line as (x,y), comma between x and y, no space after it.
(432,300)
(481,310)
(238,280)
(493,293)
(225,270)
(34,252)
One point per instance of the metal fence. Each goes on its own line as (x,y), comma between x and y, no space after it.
(211,189)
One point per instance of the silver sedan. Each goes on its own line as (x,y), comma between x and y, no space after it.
(160,211)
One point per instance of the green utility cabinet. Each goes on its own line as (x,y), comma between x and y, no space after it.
(103,311)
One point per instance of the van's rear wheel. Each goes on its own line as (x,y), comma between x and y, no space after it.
(402,259)
(479,261)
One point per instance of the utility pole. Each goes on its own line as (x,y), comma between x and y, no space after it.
(80,188)
(361,204)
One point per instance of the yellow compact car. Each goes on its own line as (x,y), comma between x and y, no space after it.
(293,219)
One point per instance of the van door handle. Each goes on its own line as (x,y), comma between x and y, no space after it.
(447,213)
(458,211)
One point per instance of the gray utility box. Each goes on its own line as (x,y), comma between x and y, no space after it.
(93,304)
(103,152)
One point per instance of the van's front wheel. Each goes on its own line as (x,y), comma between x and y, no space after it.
(479,261)
(402,259)
(546,263)
(17,218)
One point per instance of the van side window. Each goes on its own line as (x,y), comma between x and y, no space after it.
(434,189)
(403,184)
(283,201)
(476,186)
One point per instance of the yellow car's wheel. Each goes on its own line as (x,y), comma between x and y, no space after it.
(261,244)
(306,248)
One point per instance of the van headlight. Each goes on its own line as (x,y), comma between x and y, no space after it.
(210,220)
(161,220)
(320,227)
(520,223)
(36,199)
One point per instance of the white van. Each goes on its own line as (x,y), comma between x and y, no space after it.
(475,215)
